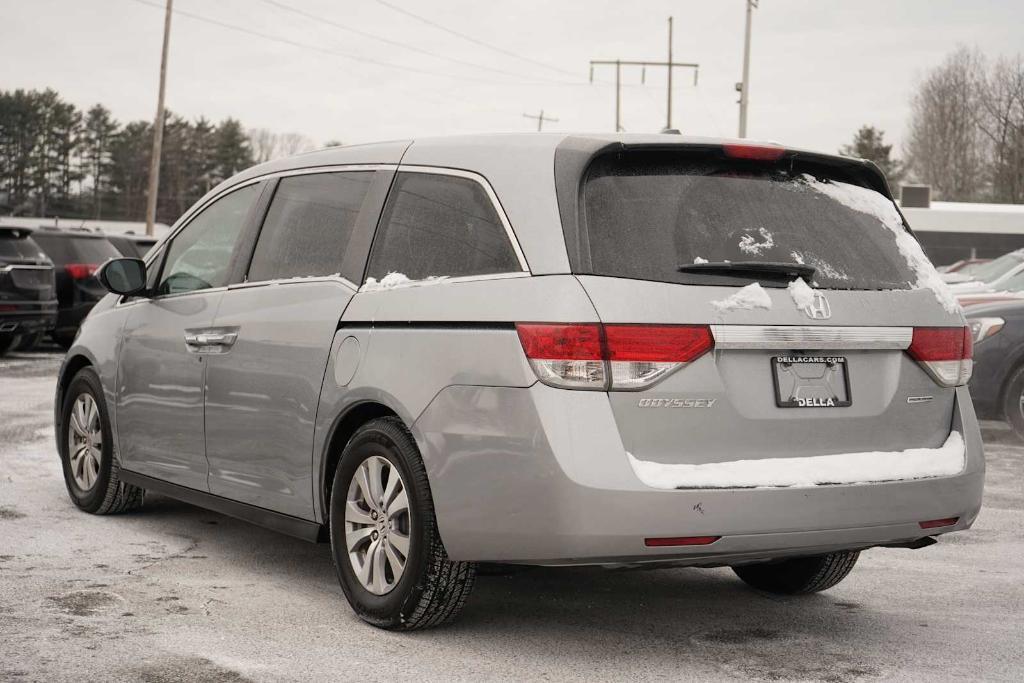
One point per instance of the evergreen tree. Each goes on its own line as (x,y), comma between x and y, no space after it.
(98,137)
(869,143)
(232,152)
(129,176)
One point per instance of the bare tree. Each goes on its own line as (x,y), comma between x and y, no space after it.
(264,143)
(945,146)
(1002,122)
(294,143)
(267,145)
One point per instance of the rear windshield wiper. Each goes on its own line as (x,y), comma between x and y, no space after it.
(750,268)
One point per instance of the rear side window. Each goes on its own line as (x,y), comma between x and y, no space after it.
(19,248)
(63,249)
(645,215)
(440,226)
(309,225)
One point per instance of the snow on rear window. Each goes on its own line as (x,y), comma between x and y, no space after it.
(645,215)
(881,209)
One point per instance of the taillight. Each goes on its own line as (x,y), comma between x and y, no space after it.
(944,352)
(610,357)
(754,152)
(567,356)
(80,271)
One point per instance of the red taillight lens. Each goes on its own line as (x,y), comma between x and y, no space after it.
(941,343)
(936,523)
(657,343)
(595,356)
(562,342)
(680,540)
(80,271)
(753,152)
(944,352)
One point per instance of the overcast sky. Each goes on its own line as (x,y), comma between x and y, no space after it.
(820,68)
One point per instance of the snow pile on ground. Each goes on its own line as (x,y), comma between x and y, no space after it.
(803,295)
(749,297)
(395,280)
(750,245)
(843,468)
(870,202)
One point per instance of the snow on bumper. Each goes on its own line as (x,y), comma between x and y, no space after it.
(842,468)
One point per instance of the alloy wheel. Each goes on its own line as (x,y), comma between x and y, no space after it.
(85,441)
(377,525)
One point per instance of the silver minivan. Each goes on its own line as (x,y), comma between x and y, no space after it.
(543,349)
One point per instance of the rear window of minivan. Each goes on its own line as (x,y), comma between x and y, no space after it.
(646,215)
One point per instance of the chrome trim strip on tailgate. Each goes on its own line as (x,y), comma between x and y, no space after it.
(810,337)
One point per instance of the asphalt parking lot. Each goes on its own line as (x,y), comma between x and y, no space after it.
(173,593)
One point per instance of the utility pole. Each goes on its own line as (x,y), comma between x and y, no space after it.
(540,119)
(744,86)
(668,120)
(158,127)
(619,63)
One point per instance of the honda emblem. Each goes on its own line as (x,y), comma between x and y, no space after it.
(819,308)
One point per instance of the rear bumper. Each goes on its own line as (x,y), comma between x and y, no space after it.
(539,475)
(29,317)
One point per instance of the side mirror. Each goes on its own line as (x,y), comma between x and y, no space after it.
(123,275)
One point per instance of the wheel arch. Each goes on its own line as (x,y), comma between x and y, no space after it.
(71,367)
(342,429)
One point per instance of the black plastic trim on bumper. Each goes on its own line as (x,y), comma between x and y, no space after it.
(286,524)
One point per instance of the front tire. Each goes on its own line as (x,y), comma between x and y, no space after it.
(387,552)
(800,575)
(91,468)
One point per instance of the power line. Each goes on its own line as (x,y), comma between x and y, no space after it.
(398,43)
(317,48)
(473,40)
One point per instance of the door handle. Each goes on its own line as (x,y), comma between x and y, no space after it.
(223,340)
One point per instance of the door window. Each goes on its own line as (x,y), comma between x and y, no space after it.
(309,225)
(199,257)
(440,225)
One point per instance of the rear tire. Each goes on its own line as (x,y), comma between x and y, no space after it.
(1013,402)
(800,575)
(429,589)
(29,341)
(8,342)
(91,469)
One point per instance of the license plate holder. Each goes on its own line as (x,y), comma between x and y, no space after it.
(811,381)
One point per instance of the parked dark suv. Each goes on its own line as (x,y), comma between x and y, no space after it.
(28,301)
(132,245)
(76,255)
